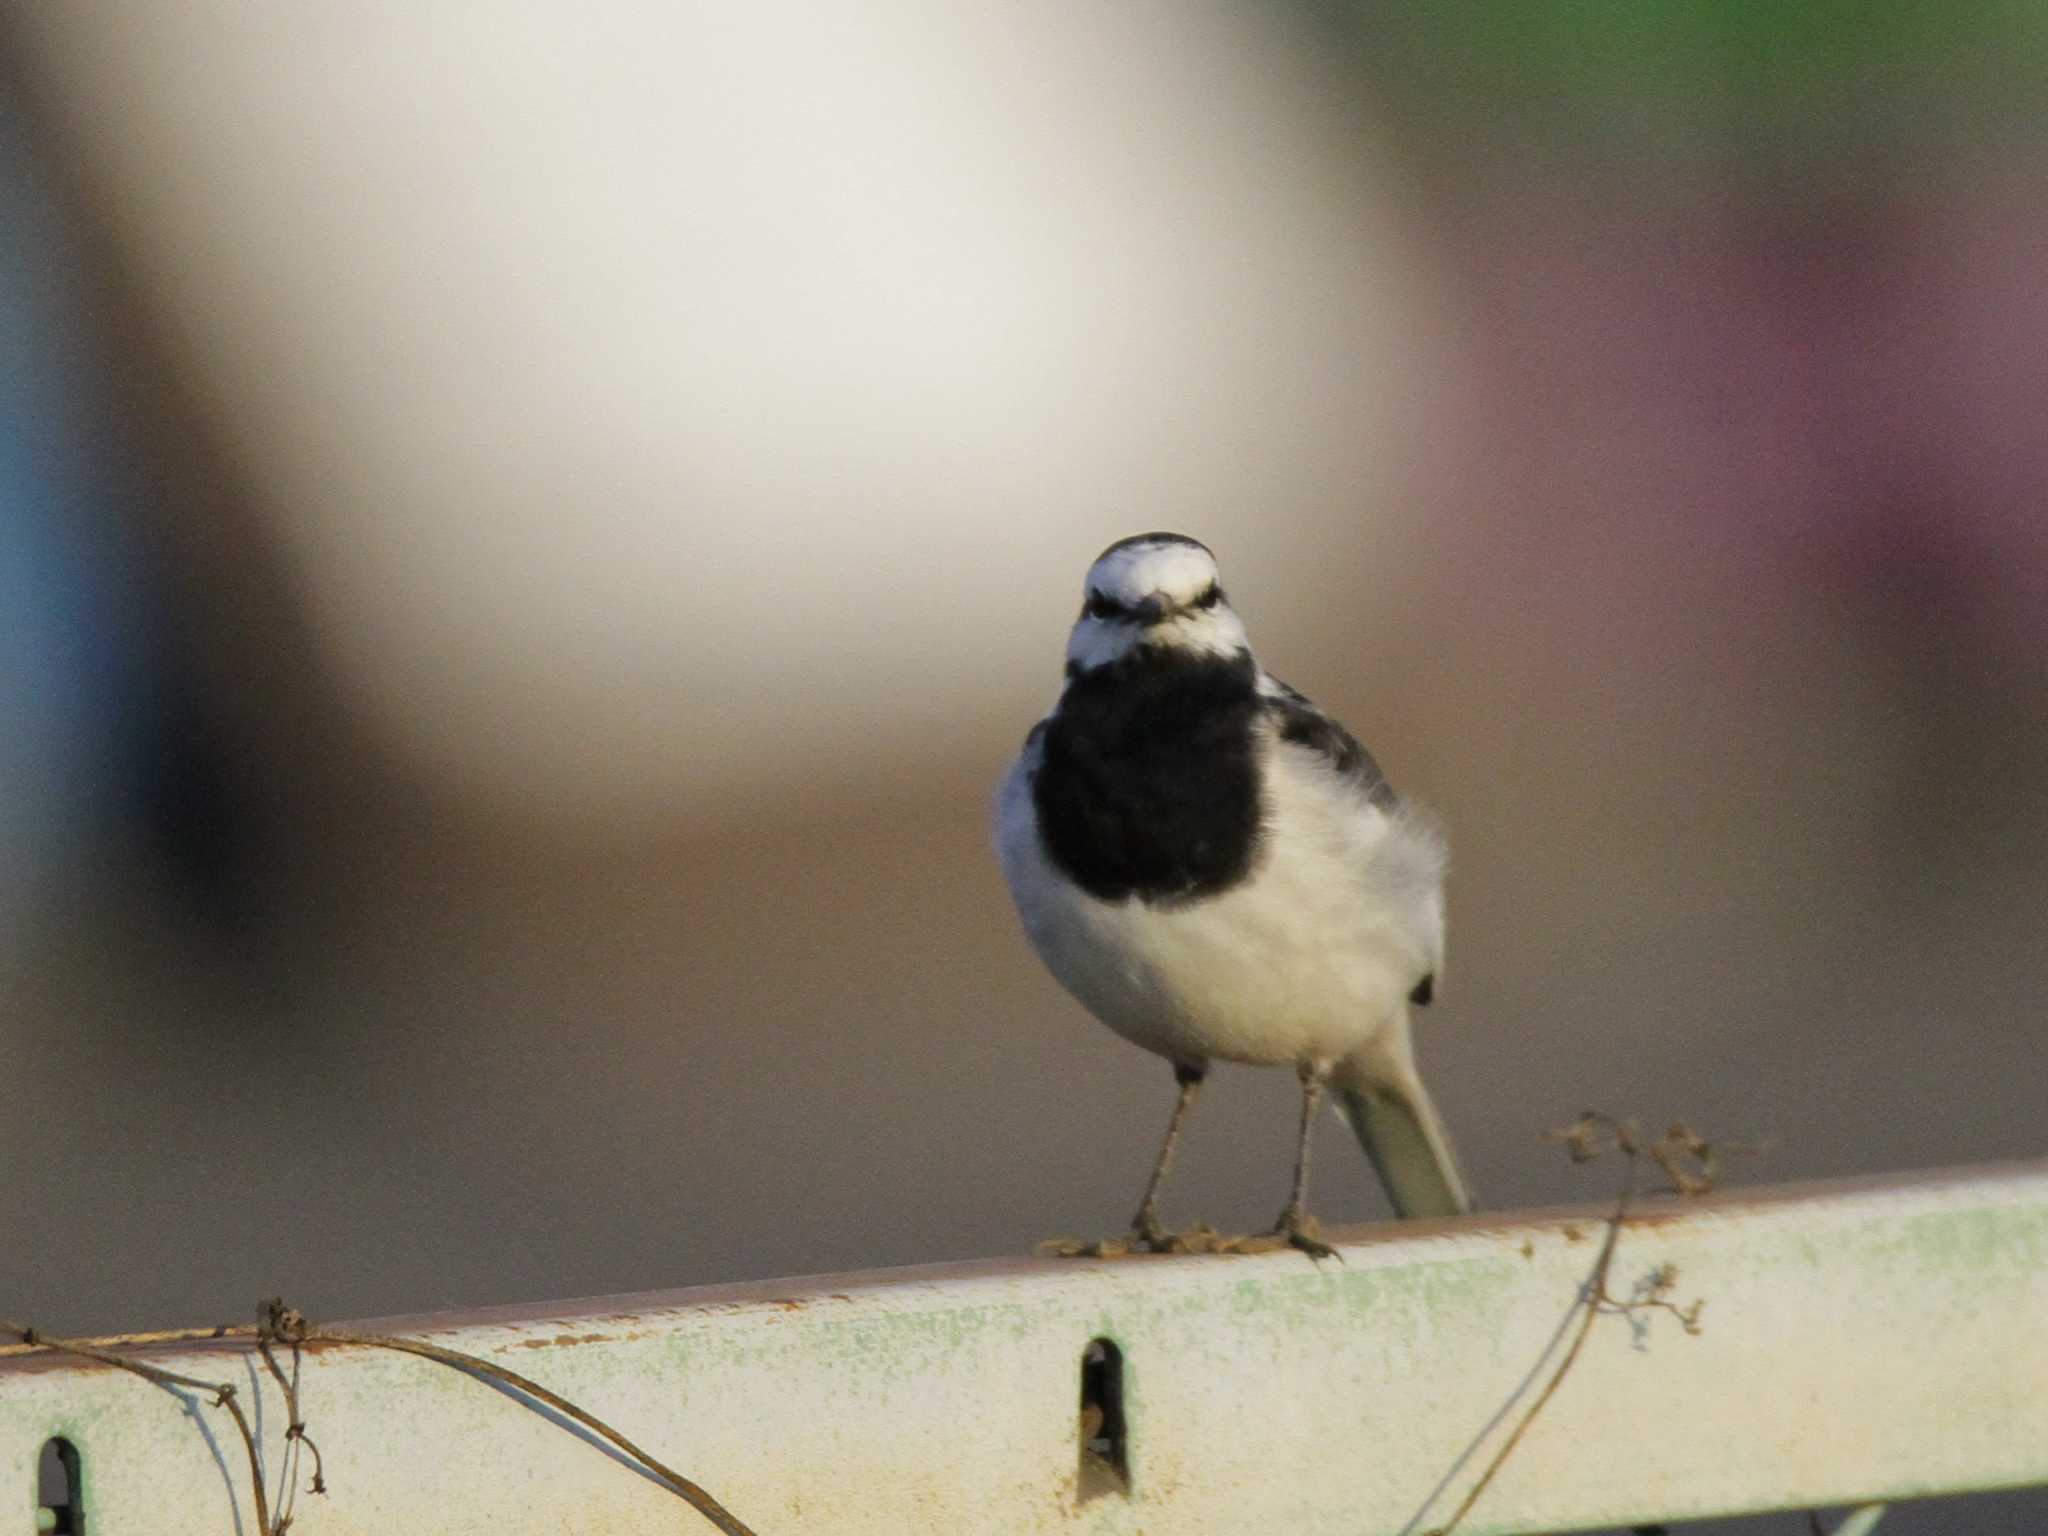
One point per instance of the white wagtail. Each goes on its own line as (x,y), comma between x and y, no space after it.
(1217,870)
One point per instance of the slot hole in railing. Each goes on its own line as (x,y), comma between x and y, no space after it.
(1105,1451)
(59,1508)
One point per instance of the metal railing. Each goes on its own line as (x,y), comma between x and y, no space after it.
(1865,1341)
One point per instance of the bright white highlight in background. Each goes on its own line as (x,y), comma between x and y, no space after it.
(651,398)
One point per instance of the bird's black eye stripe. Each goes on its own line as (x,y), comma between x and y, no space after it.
(1101,605)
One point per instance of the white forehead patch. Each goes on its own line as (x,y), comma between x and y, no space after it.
(1173,569)
(1177,571)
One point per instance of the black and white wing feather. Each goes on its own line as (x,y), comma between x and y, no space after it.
(1390,1112)
(1307,726)
(1303,724)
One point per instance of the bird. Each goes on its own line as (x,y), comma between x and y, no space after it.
(1217,870)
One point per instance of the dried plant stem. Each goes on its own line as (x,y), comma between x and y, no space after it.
(282,1323)
(223,1397)
(1691,1164)
(1590,1300)
(296,1439)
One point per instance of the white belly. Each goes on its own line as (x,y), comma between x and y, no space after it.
(1306,961)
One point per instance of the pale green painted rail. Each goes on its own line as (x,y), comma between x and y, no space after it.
(1877,1340)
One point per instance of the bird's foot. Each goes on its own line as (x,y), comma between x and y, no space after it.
(1300,1230)
(1295,1229)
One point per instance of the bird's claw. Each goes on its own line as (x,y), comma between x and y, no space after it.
(1300,1230)
(1146,1233)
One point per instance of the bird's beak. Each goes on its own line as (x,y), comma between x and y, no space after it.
(1152,611)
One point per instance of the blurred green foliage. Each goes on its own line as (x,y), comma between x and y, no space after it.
(1787,84)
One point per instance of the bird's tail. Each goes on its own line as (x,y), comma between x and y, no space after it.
(1404,1136)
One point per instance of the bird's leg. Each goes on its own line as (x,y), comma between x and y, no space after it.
(1145,1225)
(1295,1223)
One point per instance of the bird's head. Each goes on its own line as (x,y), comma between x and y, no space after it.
(1153,589)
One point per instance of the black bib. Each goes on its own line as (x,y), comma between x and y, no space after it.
(1149,786)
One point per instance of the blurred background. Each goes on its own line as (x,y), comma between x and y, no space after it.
(528,535)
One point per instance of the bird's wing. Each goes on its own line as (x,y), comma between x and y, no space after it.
(1305,725)
(1406,869)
